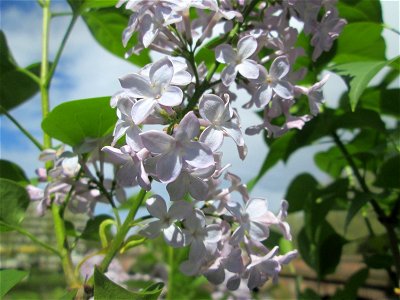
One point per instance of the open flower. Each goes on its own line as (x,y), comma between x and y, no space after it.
(151,92)
(174,151)
(238,61)
(166,220)
(219,114)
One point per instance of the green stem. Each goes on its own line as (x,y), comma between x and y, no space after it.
(170,273)
(44,88)
(32,75)
(387,221)
(61,14)
(22,129)
(61,48)
(119,238)
(32,238)
(62,246)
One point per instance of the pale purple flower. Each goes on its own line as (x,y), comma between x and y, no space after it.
(274,82)
(314,94)
(130,163)
(219,114)
(251,218)
(173,152)
(238,61)
(152,92)
(201,237)
(166,220)
(326,32)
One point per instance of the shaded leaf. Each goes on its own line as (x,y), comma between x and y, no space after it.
(91,231)
(106,26)
(14,201)
(11,171)
(300,191)
(105,289)
(352,285)
(71,122)
(360,10)
(388,175)
(355,205)
(10,278)
(70,295)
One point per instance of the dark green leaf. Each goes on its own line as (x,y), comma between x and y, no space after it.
(105,289)
(389,173)
(360,11)
(11,171)
(379,261)
(71,122)
(106,26)
(14,201)
(352,285)
(98,3)
(301,191)
(91,231)
(309,294)
(10,278)
(323,250)
(358,75)
(355,205)
(70,229)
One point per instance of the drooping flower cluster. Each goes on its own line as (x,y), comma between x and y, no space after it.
(256,50)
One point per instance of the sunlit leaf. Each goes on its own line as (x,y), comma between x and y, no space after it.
(74,121)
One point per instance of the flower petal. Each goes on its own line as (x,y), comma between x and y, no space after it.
(156,206)
(173,236)
(246,47)
(142,109)
(228,74)
(263,95)
(284,89)
(211,108)
(280,67)
(225,54)
(249,69)
(198,155)
(172,96)
(169,167)
(151,230)
(212,137)
(161,72)
(198,189)
(157,142)
(138,86)
(188,128)
(233,130)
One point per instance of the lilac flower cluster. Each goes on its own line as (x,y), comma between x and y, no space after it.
(210,209)
(194,104)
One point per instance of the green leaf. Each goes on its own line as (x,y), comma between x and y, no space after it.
(352,285)
(98,3)
(323,250)
(379,261)
(355,205)
(11,171)
(91,231)
(106,26)
(309,294)
(300,191)
(14,201)
(71,122)
(10,278)
(361,41)
(70,295)
(388,175)
(105,289)
(358,75)
(360,10)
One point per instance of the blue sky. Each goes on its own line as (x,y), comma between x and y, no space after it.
(87,70)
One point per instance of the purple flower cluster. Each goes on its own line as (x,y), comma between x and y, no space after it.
(225,233)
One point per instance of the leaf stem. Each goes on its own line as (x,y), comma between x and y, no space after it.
(119,238)
(387,221)
(32,238)
(22,129)
(61,48)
